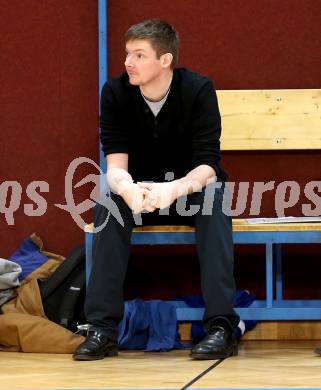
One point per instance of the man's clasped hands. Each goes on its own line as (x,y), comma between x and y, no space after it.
(147,196)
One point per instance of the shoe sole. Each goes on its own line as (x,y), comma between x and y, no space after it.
(213,356)
(110,353)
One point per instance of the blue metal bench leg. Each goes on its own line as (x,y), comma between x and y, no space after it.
(89,244)
(278,269)
(269,275)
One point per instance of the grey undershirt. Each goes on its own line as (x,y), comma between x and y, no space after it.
(156,106)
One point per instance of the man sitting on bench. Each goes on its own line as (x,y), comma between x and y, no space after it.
(160,132)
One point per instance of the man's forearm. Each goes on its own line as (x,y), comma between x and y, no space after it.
(118,179)
(195,180)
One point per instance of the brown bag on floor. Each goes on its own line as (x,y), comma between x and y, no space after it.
(23,323)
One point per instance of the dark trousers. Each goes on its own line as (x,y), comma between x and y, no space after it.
(104,306)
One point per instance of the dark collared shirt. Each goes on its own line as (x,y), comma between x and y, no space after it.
(185,133)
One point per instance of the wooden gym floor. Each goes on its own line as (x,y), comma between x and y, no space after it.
(260,364)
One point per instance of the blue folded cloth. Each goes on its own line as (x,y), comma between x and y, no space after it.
(152,325)
(149,325)
(163,331)
(29,257)
(134,328)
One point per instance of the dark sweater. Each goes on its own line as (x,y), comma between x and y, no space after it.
(185,133)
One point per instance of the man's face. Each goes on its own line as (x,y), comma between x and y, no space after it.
(142,64)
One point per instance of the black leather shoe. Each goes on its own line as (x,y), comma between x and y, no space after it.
(95,347)
(318,351)
(218,344)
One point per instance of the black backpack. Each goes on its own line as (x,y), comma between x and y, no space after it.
(63,293)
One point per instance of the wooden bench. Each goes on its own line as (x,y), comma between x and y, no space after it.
(257,120)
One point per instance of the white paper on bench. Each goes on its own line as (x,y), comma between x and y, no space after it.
(283,220)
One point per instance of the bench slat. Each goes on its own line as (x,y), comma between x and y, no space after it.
(270,119)
(239,225)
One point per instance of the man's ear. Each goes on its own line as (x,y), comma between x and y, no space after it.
(166,60)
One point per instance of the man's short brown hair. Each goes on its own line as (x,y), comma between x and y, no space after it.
(161,35)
